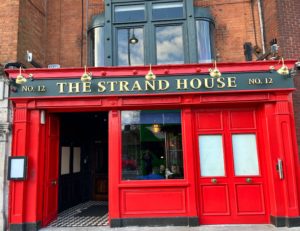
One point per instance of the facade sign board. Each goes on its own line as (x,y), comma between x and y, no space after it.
(171,84)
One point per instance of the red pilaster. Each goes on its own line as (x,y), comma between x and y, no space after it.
(114,156)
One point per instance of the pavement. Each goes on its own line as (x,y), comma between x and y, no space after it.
(180,228)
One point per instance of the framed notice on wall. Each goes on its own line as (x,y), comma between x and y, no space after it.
(17,168)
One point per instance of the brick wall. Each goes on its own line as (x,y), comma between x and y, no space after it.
(67,30)
(32,30)
(9,17)
(234,26)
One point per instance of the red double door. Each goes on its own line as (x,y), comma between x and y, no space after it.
(232,184)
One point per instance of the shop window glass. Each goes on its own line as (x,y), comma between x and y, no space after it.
(167,11)
(211,155)
(129,13)
(151,145)
(130,52)
(245,159)
(169,45)
(76,159)
(65,160)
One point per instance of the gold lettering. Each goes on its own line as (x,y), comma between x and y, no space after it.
(61,87)
(221,83)
(163,85)
(180,83)
(206,82)
(198,83)
(86,87)
(150,84)
(101,86)
(74,86)
(112,85)
(232,82)
(136,86)
(123,85)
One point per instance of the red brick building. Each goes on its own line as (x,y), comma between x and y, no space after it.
(59,32)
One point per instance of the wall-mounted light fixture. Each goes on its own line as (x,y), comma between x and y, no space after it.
(21,79)
(283,70)
(86,77)
(150,75)
(215,73)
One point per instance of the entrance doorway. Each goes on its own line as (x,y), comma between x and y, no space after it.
(232,184)
(82,169)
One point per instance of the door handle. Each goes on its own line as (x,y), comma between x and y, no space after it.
(54,182)
(248,180)
(214,180)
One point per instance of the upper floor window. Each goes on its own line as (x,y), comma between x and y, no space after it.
(153,32)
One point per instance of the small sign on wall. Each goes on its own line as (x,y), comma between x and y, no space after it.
(17,168)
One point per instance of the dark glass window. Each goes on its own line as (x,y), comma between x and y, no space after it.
(169,44)
(151,145)
(129,13)
(167,11)
(130,46)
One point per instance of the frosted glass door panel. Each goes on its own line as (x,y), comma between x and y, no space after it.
(245,155)
(65,160)
(76,159)
(211,155)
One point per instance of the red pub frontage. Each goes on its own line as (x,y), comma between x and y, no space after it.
(183,148)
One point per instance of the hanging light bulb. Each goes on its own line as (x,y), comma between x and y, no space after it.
(150,75)
(283,70)
(156,128)
(133,40)
(215,73)
(20,78)
(86,77)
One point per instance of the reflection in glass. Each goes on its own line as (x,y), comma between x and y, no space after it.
(204,41)
(211,155)
(169,10)
(128,53)
(129,13)
(149,153)
(96,53)
(169,45)
(245,159)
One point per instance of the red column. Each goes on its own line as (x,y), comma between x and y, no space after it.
(189,160)
(283,192)
(114,156)
(24,194)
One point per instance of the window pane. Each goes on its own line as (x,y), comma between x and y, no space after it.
(76,159)
(97,47)
(130,53)
(204,41)
(167,11)
(245,154)
(65,160)
(211,155)
(129,13)
(169,45)
(151,145)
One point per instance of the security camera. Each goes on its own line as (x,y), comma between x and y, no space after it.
(297,65)
(29,56)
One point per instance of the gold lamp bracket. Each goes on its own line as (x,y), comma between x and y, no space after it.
(215,73)
(20,79)
(150,75)
(283,70)
(86,77)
